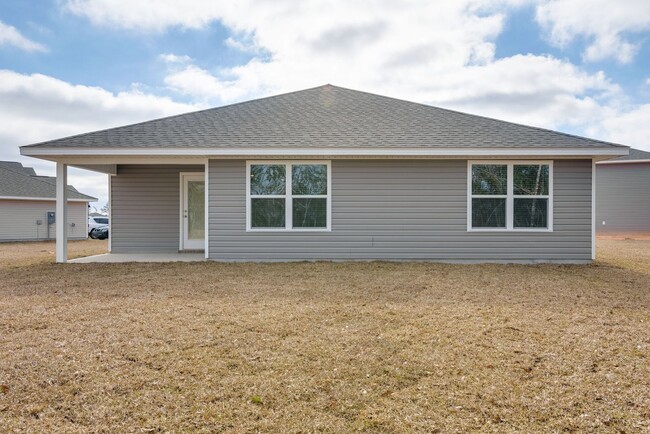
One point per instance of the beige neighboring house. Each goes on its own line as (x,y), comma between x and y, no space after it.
(26,201)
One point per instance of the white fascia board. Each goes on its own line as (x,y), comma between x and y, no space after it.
(97,162)
(325,152)
(47,199)
(622,162)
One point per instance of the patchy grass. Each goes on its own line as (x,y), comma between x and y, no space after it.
(331,347)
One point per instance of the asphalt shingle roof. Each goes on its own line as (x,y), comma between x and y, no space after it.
(326,116)
(19,181)
(17,167)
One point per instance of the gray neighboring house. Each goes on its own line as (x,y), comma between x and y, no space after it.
(623,195)
(25,201)
(336,174)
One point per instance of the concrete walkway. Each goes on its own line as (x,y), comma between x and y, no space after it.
(140,257)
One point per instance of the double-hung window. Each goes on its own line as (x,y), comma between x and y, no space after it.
(514,195)
(288,196)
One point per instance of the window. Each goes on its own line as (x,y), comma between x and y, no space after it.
(288,196)
(510,196)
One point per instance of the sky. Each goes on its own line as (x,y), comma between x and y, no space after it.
(73,66)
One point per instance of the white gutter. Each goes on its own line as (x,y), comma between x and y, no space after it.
(329,152)
(623,161)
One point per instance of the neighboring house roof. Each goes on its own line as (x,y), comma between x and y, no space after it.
(22,182)
(324,117)
(17,167)
(635,156)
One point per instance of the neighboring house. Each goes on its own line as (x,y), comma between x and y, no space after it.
(336,174)
(25,201)
(623,195)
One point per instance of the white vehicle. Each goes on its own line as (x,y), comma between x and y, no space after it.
(97,222)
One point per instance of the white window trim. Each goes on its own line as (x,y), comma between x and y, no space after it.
(288,214)
(510,196)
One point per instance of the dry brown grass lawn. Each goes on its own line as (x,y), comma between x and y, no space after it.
(21,254)
(331,347)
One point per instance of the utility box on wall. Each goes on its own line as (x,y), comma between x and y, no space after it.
(51,219)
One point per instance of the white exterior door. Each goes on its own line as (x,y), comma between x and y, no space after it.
(192,211)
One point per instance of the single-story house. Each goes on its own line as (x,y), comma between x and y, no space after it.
(27,206)
(336,174)
(623,195)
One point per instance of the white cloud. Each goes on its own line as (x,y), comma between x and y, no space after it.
(604,23)
(174,59)
(150,15)
(441,53)
(243,43)
(203,86)
(529,89)
(37,107)
(630,127)
(10,36)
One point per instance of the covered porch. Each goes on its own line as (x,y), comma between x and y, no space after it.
(157,209)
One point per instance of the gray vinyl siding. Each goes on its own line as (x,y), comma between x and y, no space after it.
(18,220)
(623,198)
(145,201)
(400,209)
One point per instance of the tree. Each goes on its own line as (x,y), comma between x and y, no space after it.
(105,209)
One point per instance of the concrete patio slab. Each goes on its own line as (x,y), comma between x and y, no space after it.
(140,257)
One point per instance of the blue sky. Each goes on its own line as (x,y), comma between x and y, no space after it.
(522,34)
(71,66)
(82,53)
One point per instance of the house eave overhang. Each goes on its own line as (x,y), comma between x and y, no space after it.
(45,199)
(62,153)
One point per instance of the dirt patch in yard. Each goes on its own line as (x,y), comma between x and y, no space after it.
(331,347)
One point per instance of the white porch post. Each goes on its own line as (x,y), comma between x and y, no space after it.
(61,212)
(206,224)
(110,212)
